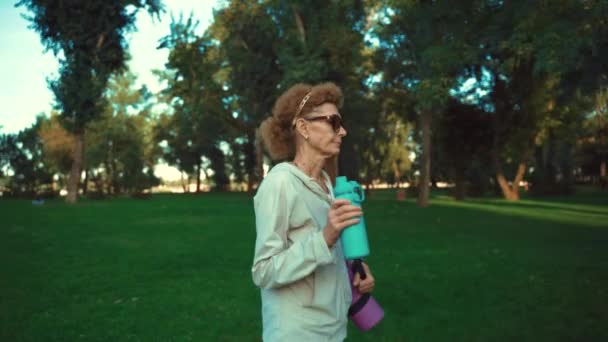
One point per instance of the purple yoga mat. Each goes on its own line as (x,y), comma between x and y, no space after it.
(365,312)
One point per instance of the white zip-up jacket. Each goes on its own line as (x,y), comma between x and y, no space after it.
(304,284)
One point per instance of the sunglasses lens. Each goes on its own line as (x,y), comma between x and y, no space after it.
(336,122)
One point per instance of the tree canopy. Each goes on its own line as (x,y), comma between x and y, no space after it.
(484,95)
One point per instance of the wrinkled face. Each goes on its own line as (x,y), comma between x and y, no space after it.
(323,127)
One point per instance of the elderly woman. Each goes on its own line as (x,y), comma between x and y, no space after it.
(298,262)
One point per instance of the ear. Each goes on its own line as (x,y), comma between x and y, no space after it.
(302,128)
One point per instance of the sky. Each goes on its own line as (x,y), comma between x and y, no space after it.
(25,66)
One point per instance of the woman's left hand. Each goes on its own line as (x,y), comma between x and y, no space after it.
(364,285)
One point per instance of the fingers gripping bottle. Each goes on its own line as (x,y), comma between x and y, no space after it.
(364,311)
(354,238)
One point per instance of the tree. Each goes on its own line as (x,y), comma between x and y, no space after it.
(531,62)
(57,144)
(269,46)
(326,42)
(199,121)
(463,137)
(90,35)
(389,150)
(8,152)
(533,50)
(120,156)
(424,46)
(248,38)
(592,140)
(22,154)
(6,143)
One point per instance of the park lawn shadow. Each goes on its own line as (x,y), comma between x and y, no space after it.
(484,273)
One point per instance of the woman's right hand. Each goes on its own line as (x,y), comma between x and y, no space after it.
(342,214)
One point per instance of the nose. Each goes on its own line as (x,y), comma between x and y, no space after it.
(342,132)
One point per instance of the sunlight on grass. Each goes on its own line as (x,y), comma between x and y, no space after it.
(584,215)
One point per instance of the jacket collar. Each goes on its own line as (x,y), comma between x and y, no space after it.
(308,181)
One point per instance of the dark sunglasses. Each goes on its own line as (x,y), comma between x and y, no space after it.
(334,120)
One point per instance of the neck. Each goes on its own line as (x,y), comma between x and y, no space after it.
(310,165)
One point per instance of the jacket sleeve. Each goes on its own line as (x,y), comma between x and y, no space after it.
(275,263)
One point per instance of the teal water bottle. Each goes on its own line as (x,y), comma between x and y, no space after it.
(354,238)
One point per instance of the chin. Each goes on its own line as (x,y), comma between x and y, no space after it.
(331,153)
(334,152)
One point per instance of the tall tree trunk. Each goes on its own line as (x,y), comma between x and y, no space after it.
(425,165)
(250,159)
(396,172)
(600,104)
(198,177)
(505,187)
(85,184)
(105,177)
(550,175)
(300,26)
(98,181)
(603,176)
(510,192)
(207,177)
(460,183)
(115,187)
(259,154)
(459,190)
(76,171)
(434,182)
(185,186)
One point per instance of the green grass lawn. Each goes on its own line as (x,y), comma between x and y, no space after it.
(176,268)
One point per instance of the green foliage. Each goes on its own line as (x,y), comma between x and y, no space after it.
(89,37)
(386,155)
(57,145)
(120,154)
(218,165)
(6,150)
(249,41)
(592,140)
(199,121)
(424,46)
(532,50)
(464,137)
(536,67)
(324,41)
(22,159)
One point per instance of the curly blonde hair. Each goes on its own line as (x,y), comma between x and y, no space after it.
(276,135)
